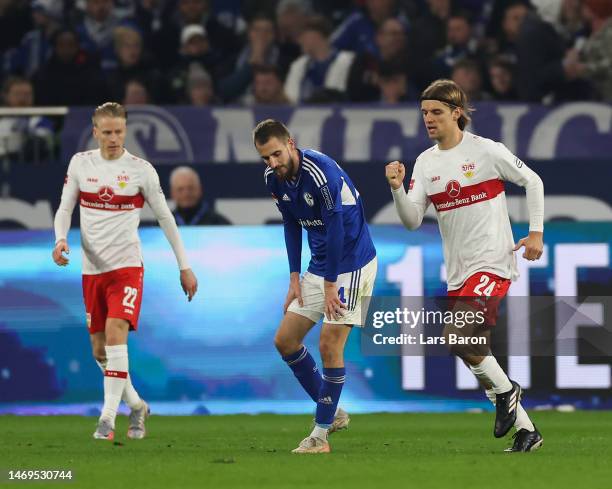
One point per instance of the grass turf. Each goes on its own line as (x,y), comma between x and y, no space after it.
(378,450)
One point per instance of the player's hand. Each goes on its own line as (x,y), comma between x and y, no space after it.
(395,173)
(61,247)
(189,283)
(294,292)
(534,245)
(334,308)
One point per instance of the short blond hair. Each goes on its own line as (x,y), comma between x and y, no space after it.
(450,94)
(109,109)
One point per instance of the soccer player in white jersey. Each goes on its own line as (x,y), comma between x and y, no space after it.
(111,186)
(462,176)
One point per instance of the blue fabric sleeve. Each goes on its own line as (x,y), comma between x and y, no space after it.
(293,242)
(330,199)
(335,240)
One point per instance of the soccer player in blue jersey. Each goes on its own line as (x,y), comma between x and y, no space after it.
(313,192)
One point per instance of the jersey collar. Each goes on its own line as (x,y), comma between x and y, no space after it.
(298,177)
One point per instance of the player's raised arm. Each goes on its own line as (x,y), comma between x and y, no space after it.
(410,206)
(63,216)
(512,169)
(154,196)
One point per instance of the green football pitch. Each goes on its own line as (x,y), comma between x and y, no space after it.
(378,450)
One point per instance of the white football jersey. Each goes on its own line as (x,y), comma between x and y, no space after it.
(466,186)
(111,194)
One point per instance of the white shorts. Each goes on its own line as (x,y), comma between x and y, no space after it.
(352,287)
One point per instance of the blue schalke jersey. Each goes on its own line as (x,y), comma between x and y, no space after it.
(322,200)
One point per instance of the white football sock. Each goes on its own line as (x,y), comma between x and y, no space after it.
(522,419)
(319,432)
(115,377)
(489,371)
(129,396)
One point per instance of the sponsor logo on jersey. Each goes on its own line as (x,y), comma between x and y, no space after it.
(286,198)
(119,202)
(468,195)
(518,162)
(453,188)
(106,194)
(92,180)
(327,198)
(306,223)
(309,199)
(433,179)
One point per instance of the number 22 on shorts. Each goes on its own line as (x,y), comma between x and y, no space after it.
(130,296)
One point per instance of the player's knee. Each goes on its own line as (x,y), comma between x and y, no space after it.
(329,350)
(285,346)
(99,352)
(455,348)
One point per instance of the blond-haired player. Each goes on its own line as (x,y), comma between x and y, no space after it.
(463,176)
(111,186)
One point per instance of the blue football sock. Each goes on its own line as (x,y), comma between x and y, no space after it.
(333,381)
(305,369)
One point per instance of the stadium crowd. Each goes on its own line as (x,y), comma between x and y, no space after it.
(206,52)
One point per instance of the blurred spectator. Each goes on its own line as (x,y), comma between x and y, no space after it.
(268,87)
(570,23)
(186,192)
(35,46)
(96,31)
(512,21)
(541,74)
(71,76)
(320,66)
(200,90)
(363,84)
(393,84)
(291,15)
(23,137)
(133,62)
(595,59)
(501,76)
(358,32)
(149,16)
(260,49)
(466,74)
(496,18)
(15,19)
(136,93)
(169,39)
(460,44)
(196,57)
(428,35)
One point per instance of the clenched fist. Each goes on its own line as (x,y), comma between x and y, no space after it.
(395,173)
